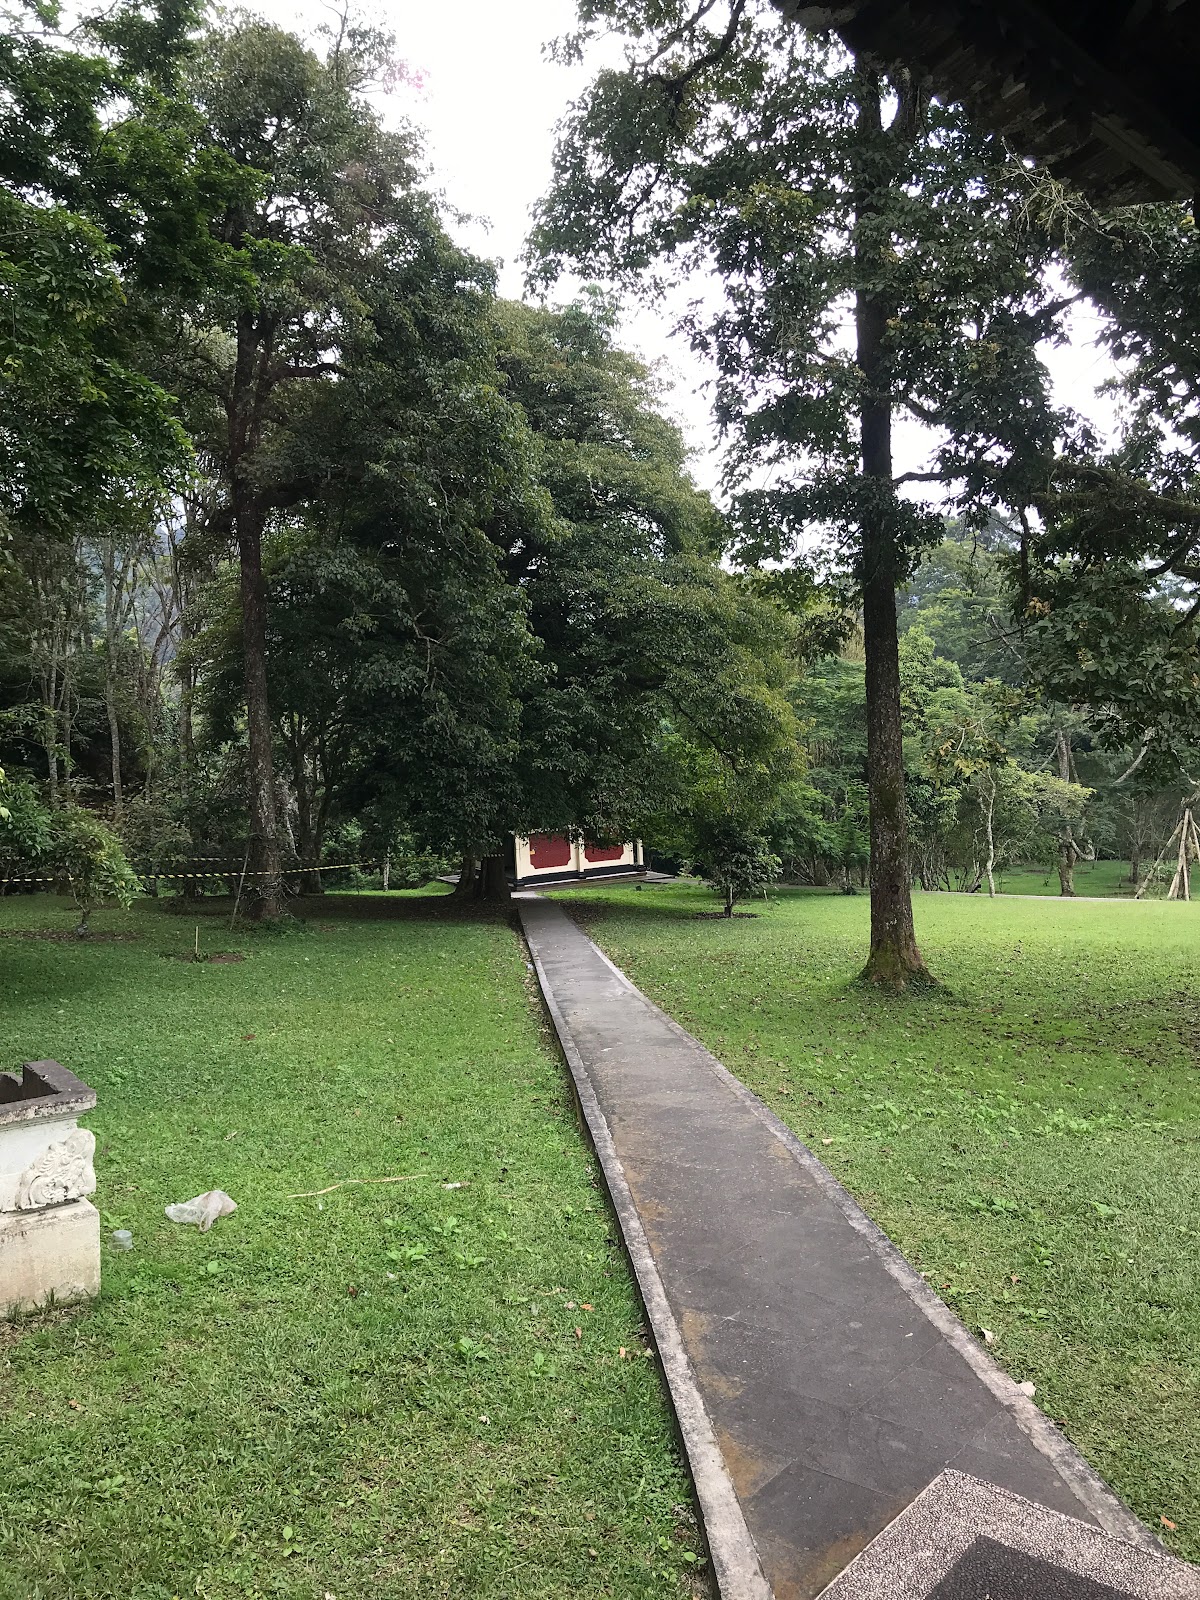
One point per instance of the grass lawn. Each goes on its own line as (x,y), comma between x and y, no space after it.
(1106,879)
(1030,1136)
(430,1388)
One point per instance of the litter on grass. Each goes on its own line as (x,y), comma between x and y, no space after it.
(203,1211)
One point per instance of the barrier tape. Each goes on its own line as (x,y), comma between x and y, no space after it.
(231,872)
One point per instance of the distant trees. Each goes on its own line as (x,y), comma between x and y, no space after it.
(411,569)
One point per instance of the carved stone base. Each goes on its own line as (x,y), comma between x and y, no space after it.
(52,1254)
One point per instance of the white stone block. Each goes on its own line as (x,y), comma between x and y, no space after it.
(49,1234)
(51,1255)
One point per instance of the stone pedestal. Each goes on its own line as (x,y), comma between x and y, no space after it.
(49,1233)
(49,1256)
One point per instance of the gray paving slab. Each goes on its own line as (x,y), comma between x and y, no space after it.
(821,1384)
(965,1539)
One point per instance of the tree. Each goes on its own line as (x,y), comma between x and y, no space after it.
(737,862)
(627,642)
(733,143)
(321,192)
(1107,576)
(87,860)
(79,417)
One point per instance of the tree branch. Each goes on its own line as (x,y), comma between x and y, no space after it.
(675,85)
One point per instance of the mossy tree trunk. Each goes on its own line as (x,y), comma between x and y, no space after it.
(464,889)
(894,960)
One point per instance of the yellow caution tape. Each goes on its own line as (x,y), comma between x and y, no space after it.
(231,872)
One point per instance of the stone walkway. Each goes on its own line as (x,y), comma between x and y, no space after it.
(821,1386)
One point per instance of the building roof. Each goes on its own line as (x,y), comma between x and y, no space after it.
(1104,93)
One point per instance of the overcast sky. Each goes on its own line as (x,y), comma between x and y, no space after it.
(488,100)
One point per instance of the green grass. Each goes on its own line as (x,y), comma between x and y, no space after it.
(1103,879)
(400,1390)
(1029,1136)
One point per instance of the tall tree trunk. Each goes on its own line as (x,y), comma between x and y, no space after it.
(111,635)
(265,897)
(308,825)
(989,819)
(387,870)
(50,742)
(464,889)
(187,732)
(1068,850)
(1068,854)
(894,959)
(250,390)
(493,880)
(114,738)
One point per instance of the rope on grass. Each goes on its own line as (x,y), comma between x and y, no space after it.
(311,1194)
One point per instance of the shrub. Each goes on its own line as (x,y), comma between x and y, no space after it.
(89,863)
(736,862)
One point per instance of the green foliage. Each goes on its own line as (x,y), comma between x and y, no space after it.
(733,142)
(735,861)
(86,857)
(25,823)
(79,416)
(1109,583)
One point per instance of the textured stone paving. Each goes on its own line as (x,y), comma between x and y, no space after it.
(837,1385)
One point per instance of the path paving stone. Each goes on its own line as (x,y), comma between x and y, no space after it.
(836,1385)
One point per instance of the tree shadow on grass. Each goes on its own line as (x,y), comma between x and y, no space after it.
(589,909)
(325,909)
(322,908)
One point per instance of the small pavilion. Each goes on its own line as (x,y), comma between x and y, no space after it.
(559,858)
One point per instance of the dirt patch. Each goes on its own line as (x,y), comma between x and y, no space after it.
(223,958)
(719,916)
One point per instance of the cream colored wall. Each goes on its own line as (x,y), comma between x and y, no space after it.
(631,856)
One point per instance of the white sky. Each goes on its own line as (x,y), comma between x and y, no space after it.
(489,102)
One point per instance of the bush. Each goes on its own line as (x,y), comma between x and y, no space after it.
(736,862)
(25,825)
(89,863)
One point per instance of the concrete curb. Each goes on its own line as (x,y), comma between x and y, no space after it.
(735,1560)
(1110,1512)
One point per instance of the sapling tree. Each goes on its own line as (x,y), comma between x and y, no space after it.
(735,860)
(89,863)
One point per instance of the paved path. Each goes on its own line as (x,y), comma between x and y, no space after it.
(820,1384)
